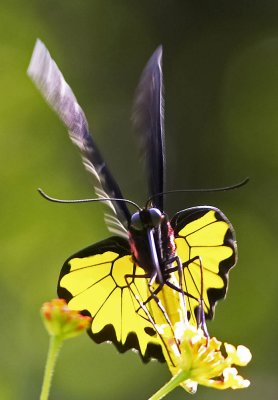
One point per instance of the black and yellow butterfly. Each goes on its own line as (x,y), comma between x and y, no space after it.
(155,270)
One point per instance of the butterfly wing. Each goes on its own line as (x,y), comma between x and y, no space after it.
(149,123)
(48,78)
(205,233)
(102,281)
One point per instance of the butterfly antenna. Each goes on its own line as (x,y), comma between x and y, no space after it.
(221,189)
(54,200)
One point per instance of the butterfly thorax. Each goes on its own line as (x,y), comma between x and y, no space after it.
(151,240)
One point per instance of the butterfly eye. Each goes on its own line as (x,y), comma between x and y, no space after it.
(155,216)
(136,222)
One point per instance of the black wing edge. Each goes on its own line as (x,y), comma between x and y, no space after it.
(108,334)
(148,117)
(46,75)
(183,218)
(154,351)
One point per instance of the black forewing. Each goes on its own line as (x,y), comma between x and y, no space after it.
(48,78)
(149,123)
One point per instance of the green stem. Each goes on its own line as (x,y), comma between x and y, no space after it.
(171,385)
(53,350)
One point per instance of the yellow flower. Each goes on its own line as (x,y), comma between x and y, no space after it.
(195,359)
(60,321)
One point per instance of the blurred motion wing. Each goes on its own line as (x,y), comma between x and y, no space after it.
(148,118)
(48,78)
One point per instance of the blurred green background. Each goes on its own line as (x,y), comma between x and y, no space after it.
(221,84)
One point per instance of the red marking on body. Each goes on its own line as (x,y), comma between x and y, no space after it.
(133,248)
(171,237)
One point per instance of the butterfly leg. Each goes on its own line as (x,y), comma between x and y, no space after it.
(180,269)
(153,293)
(143,306)
(179,289)
(201,318)
(200,313)
(153,296)
(137,296)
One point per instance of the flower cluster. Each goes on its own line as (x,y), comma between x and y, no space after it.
(201,360)
(196,359)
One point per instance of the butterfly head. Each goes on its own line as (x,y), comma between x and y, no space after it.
(146,218)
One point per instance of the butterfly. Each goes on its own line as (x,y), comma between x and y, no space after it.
(154,270)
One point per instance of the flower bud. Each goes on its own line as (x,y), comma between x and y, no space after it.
(60,321)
